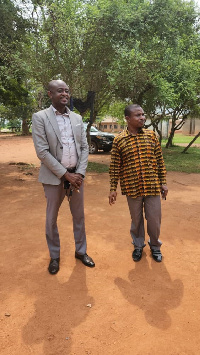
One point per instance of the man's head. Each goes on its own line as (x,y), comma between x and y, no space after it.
(59,94)
(134,115)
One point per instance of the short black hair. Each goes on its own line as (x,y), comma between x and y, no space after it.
(130,108)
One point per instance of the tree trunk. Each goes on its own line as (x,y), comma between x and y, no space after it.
(171,135)
(170,139)
(25,127)
(93,115)
(159,131)
(88,133)
(188,146)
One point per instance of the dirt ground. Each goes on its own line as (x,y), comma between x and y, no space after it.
(119,307)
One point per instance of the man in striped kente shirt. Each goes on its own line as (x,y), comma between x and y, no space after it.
(137,161)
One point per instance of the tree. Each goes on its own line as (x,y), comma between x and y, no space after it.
(158,62)
(127,51)
(14,92)
(75,41)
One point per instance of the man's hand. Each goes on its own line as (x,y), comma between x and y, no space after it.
(164,191)
(74,179)
(112,197)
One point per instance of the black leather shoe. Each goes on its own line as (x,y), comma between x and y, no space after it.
(54,266)
(86,260)
(156,255)
(137,254)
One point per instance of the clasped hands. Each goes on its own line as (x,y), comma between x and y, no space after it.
(74,179)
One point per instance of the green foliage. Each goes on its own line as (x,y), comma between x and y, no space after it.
(13,38)
(2,122)
(115,109)
(126,51)
(14,125)
(15,75)
(158,63)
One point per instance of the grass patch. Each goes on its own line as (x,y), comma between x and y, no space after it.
(185,139)
(188,162)
(179,138)
(25,168)
(97,167)
(175,160)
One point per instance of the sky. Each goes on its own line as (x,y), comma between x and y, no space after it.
(197,2)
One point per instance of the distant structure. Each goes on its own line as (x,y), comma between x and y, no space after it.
(110,124)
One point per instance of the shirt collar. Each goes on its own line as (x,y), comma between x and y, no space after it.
(141,131)
(67,111)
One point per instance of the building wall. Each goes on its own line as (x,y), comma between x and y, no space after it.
(191,126)
(110,124)
(110,127)
(163,127)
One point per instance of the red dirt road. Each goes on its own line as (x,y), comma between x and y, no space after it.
(117,308)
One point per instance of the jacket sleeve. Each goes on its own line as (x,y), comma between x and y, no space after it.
(42,147)
(83,159)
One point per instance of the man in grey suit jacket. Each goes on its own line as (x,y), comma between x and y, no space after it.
(61,145)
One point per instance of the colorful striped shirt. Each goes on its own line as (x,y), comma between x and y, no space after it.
(137,161)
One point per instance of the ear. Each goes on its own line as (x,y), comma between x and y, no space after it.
(49,94)
(127,118)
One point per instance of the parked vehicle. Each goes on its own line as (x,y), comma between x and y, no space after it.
(99,140)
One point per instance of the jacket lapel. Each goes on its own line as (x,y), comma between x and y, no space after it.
(52,119)
(73,123)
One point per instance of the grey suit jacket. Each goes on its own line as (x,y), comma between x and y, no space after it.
(49,148)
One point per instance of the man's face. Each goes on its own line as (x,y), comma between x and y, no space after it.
(59,94)
(136,118)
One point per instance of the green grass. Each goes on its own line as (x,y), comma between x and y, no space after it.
(188,162)
(97,167)
(175,160)
(179,138)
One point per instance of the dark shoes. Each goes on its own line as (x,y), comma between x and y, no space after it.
(156,255)
(54,266)
(86,260)
(54,263)
(137,254)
